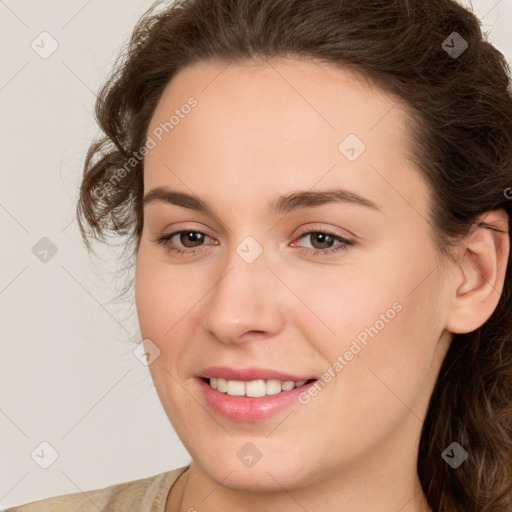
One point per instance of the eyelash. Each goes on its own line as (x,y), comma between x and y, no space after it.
(343,246)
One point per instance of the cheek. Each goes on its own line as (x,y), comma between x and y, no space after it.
(164,294)
(389,352)
(165,299)
(384,325)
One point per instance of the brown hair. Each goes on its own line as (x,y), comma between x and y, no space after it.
(460,121)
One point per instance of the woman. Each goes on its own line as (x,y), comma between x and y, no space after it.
(317,196)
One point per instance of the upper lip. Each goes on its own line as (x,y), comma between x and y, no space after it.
(248,374)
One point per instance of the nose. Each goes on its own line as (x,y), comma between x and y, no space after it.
(244,304)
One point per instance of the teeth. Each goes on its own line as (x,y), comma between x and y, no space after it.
(253,388)
(236,388)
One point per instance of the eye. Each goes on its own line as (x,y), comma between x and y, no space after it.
(191,241)
(322,242)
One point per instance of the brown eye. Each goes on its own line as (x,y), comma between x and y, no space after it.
(183,242)
(324,243)
(321,240)
(191,238)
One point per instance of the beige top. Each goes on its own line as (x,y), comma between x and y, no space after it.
(144,495)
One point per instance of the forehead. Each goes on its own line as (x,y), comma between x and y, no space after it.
(282,124)
(271,95)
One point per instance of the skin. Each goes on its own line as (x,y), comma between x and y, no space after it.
(261,130)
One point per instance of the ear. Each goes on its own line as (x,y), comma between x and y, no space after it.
(480,275)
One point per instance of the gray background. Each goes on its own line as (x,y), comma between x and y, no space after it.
(68,375)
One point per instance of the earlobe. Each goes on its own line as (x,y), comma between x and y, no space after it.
(481,273)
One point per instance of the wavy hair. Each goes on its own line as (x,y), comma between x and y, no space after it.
(460,122)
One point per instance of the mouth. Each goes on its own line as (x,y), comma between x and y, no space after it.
(251,401)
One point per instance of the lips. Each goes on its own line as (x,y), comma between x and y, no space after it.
(249,374)
(248,409)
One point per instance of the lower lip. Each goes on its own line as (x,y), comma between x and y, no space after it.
(249,409)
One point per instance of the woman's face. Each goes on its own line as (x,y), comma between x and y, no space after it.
(313,258)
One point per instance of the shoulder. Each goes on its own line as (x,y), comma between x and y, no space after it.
(148,494)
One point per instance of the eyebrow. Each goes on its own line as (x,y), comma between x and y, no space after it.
(281,205)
